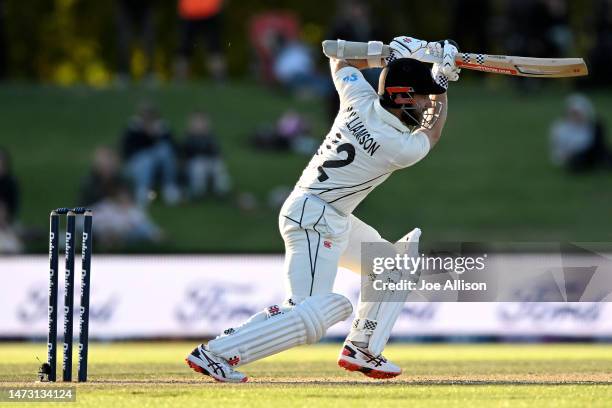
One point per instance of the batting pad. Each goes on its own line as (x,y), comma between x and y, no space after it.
(375,320)
(306,323)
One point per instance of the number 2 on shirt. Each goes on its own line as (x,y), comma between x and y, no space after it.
(334,164)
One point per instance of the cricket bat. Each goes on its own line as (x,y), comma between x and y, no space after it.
(495,64)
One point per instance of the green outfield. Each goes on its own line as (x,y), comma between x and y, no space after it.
(489,179)
(478,375)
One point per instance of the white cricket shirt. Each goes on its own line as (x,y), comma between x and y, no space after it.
(364,146)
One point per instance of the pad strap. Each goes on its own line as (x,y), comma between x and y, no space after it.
(367,325)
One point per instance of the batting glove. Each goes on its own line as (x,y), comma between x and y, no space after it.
(446,70)
(408,47)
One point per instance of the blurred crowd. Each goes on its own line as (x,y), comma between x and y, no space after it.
(578,137)
(200,29)
(283,43)
(123,180)
(149,161)
(283,55)
(284,58)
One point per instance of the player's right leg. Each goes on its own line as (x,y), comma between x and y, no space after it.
(362,350)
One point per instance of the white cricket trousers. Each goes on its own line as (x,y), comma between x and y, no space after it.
(318,239)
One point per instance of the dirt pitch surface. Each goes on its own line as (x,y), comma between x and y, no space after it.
(480,375)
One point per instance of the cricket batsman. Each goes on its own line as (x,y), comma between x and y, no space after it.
(373,135)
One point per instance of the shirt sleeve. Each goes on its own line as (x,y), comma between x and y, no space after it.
(413,148)
(351,85)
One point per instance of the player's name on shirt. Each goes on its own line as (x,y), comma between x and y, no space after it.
(357,128)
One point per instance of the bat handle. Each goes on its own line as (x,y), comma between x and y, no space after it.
(430,58)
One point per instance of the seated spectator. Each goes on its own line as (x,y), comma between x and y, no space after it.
(292,132)
(103,178)
(295,69)
(9,240)
(577,140)
(119,221)
(204,164)
(264,30)
(9,189)
(148,152)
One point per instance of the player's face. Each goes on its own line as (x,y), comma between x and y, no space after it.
(422,103)
(421,111)
(426,110)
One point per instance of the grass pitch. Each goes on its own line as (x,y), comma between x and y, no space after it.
(154,374)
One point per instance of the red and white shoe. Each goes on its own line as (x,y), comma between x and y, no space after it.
(353,358)
(207,363)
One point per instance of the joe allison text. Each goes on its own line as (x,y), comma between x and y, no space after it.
(450,284)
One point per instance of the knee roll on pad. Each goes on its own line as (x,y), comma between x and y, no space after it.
(306,323)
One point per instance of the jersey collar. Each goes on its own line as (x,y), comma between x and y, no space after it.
(389,118)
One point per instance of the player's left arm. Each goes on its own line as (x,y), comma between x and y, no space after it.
(337,64)
(348,80)
(401,47)
(373,59)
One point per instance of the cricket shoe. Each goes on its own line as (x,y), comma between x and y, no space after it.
(353,358)
(205,362)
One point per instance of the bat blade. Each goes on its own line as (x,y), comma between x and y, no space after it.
(524,66)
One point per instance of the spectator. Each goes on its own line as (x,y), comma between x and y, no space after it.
(9,189)
(264,30)
(148,152)
(201,17)
(9,240)
(133,15)
(204,163)
(295,69)
(295,130)
(292,132)
(119,221)
(578,139)
(103,178)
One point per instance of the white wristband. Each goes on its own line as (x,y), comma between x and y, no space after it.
(375,49)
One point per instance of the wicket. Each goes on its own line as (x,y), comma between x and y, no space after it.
(48,370)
